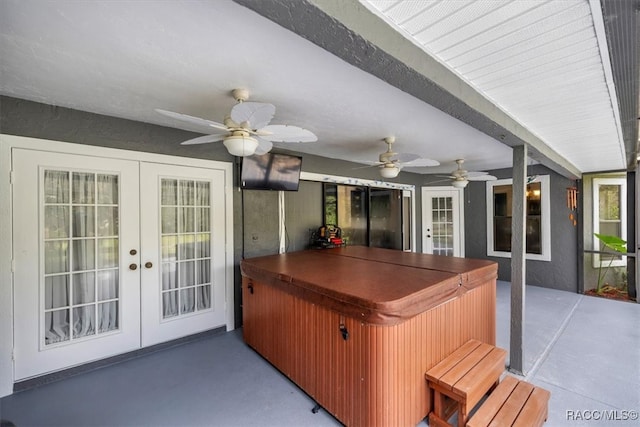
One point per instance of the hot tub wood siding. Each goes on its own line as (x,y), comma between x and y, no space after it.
(376,376)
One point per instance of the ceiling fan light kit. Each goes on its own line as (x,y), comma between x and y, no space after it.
(461,183)
(240,145)
(389,170)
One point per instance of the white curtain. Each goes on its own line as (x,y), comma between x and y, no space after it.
(81,257)
(186,256)
(56,256)
(108,253)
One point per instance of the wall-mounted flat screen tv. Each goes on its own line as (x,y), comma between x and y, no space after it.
(271,171)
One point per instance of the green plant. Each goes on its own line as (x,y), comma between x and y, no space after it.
(614,243)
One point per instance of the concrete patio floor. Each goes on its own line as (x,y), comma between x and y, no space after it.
(584,350)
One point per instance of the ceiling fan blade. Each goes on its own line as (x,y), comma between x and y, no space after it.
(286,133)
(405,157)
(264,146)
(193,120)
(481,178)
(205,139)
(437,181)
(369,164)
(421,162)
(257,114)
(473,173)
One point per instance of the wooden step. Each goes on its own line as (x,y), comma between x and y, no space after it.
(513,403)
(460,380)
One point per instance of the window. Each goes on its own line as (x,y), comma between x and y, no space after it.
(609,215)
(538,237)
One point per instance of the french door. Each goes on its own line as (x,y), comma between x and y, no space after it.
(111,255)
(442,218)
(183,247)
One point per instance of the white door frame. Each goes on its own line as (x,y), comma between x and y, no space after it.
(426,210)
(7,143)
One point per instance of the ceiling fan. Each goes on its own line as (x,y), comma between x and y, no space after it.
(462,177)
(246,130)
(391,163)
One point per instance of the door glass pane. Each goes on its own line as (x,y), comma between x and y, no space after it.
(187,220)
(83,188)
(84,288)
(203,245)
(202,219)
(56,222)
(56,187)
(83,221)
(84,254)
(75,212)
(169,275)
(202,193)
(442,217)
(84,321)
(107,189)
(56,291)
(56,256)
(170,304)
(108,316)
(169,219)
(108,285)
(185,209)
(107,221)
(204,297)
(56,324)
(169,248)
(186,192)
(108,253)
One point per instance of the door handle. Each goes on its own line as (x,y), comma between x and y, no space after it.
(133,266)
(148,264)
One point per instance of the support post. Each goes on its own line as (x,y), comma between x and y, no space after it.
(518,258)
(632,233)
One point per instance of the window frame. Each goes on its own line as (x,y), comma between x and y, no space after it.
(545,218)
(596,183)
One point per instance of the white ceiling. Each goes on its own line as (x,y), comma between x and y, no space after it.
(539,60)
(126,58)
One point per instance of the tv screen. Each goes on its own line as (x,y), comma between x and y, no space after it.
(271,171)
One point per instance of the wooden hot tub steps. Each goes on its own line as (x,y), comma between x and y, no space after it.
(513,403)
(464,377)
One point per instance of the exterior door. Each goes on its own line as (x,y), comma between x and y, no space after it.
(442,217)
(111,255)
(75,223)
(183,246)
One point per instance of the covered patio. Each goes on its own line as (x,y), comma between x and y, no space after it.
(585,350)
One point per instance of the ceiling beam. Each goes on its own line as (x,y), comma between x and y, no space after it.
(350,31)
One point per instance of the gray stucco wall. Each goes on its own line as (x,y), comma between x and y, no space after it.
(559,273)
(255,212)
